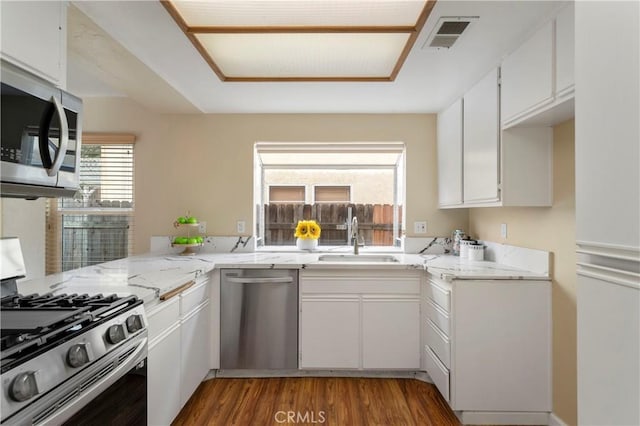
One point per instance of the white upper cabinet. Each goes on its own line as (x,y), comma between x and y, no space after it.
(538,77)
(510,167)
(481,130)
(450,155)
(527,76)
(565,50)
(527,167)
(34,37)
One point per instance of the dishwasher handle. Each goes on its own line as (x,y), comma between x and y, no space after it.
(259,280)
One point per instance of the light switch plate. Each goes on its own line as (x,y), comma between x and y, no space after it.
(503,230)
(202,228)
(420,227)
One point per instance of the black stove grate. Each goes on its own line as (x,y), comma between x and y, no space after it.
(32,324)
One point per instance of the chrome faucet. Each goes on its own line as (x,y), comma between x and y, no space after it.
(354,234)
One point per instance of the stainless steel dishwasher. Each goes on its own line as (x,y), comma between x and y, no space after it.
(259,319)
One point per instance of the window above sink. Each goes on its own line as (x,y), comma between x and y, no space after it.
(330,183)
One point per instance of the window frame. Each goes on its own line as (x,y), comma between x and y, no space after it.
(56,212)
(399,178)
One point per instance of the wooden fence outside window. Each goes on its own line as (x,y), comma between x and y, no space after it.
(375,222)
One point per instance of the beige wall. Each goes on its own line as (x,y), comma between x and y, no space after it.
(551,229)
(204,163)
(25,219)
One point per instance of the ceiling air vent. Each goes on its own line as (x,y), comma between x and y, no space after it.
(447,31)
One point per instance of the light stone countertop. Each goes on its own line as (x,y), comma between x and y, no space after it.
(452,267)
(147,276)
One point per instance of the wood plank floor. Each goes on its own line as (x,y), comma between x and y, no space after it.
(314,400)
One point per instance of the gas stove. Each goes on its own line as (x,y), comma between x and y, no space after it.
(60,351)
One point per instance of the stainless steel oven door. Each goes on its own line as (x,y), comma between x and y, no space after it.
(101,382)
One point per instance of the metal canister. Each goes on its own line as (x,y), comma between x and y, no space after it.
(458,235)
(464,246)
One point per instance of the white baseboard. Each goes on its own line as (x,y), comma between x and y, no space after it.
(395,374)
(502,418)
(556,421)
(423,376)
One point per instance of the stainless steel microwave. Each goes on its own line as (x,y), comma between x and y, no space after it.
(41,128)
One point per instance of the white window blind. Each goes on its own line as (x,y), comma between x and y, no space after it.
(96,225)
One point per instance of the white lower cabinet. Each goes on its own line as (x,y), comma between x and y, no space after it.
(390,332)
(179,355)
(329,332)
(354,319)
(488,347)
(163,363)
(195,349)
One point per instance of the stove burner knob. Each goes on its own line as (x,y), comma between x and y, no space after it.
(24,386)
(115,334)
(77,356)
(134,323)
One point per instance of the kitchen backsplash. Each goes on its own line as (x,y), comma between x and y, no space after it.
(239,244)
(162,244)
(518,257)
(427,245)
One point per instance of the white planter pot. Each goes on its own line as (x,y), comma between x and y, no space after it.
(306,243)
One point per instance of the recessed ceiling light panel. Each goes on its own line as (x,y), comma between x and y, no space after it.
(278,55)
(304,40)
(264,13)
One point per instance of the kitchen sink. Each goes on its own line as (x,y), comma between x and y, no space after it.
(370,258)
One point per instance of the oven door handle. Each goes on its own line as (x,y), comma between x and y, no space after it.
(259,280)
(140,354)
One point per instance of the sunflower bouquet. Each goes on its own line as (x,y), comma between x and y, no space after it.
(307,229)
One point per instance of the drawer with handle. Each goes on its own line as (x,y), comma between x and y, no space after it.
(438,373)
(162,316)
(440,294)
(438,316)
(193,297)
(439,343)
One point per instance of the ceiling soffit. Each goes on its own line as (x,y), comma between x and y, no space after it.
(305,40)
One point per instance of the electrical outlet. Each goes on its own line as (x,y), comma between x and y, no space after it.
(503,230)
(240,226)
(202,228)
(420,227)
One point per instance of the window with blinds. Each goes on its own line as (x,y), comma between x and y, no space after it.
(96,225)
